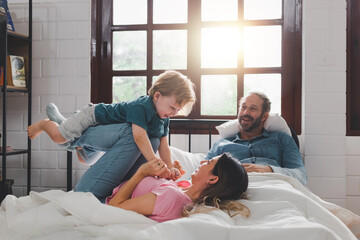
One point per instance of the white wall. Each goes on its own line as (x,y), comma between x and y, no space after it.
(332,159)
(61,58)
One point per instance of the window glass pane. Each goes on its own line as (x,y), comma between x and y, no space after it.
(219,10)
(262,9)
(270,84)
(128,88)
(262,46)
(154,78)
(129,12)
(170,11)
(170,49)
(218,95)
(129,50)
(219,47)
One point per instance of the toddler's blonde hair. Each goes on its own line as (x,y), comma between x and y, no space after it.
(174,83)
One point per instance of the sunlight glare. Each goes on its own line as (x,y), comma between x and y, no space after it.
(219,47)
(215,10)
(130,12)
(170,11)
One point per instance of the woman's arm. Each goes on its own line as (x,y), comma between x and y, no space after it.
(143,204)
(152,168)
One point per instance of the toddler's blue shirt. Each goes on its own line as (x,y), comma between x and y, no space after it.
(140,111)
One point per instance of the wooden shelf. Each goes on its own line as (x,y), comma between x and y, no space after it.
(15,89)
(11,181)
(18,35)
(15,152)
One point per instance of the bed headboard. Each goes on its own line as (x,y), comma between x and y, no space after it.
(194,126)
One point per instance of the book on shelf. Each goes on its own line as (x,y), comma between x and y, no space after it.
(8,73)
(5,10)
(18,71)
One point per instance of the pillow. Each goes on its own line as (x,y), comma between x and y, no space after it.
(274,123)
(229,128)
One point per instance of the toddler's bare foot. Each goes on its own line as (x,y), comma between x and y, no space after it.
(35,129)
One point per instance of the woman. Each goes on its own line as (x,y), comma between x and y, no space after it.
(215,183)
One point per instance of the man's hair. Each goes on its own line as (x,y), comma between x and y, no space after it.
(266,106)
(174,83)
(231,186)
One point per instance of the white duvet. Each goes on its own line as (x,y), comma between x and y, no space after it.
(281,208)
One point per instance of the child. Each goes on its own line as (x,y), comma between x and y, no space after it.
(148,115)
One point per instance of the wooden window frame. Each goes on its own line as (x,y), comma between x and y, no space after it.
(291,69)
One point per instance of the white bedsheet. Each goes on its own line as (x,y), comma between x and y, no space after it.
(281,208)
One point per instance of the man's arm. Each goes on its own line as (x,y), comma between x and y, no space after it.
(298,173)
(292,163)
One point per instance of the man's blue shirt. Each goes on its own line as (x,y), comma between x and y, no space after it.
(275,149)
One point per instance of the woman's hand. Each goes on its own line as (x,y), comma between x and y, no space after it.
(154,167)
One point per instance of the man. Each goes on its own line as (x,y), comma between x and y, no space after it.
(257,149)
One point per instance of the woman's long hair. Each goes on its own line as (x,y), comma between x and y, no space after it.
(231,186)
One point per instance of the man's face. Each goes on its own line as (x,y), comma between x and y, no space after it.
(250,115)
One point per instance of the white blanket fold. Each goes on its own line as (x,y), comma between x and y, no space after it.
(281,208)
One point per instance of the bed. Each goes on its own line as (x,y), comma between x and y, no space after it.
(281,208)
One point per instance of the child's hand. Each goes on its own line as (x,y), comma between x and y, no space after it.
(175,173)
(179,167)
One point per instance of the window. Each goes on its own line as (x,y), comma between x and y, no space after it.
(227,48)
(352,71)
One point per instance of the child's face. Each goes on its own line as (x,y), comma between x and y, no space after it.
(166,106)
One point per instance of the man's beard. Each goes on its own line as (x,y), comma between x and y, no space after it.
(256,123)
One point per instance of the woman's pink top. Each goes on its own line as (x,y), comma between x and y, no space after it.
(170,199)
